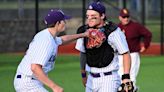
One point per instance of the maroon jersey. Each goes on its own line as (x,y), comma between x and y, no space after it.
(135,33)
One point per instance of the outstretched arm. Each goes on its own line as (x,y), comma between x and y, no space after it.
(69,38)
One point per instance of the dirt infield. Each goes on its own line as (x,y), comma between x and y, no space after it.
(154,49)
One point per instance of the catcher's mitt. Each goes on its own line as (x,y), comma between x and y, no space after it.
(126,86)
(96,38)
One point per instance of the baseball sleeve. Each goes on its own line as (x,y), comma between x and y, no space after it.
(40,51)
(118,41)
(80,45)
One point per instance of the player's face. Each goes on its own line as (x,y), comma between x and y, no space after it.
(93,18)
(61,26)
(124,20)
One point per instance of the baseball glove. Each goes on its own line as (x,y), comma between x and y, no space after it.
(96,38)
(126,86)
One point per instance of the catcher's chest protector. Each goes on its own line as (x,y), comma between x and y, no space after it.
(103,55)
(99,57)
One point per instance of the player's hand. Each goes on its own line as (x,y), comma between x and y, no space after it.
(126,86)
(86,34)
(126,80)
(84,81)
(58,89)
(143,49)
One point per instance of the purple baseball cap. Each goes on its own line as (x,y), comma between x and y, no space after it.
(55,15)
(97,6)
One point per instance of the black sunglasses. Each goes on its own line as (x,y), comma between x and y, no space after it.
(125,16)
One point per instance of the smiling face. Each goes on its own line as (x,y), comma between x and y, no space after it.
(93,18)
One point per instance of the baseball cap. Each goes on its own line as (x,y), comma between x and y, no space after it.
(55,15)
(124,12)
(97,6)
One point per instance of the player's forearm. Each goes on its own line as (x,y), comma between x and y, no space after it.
(69,38)
(41,76)
(126,63)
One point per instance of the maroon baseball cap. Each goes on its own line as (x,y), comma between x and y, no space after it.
(124,12)
(97,6)
(55,15)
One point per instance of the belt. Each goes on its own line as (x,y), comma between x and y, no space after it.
(20,76)
(96,75)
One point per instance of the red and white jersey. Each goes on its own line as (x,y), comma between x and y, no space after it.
(42,50)
(117,41)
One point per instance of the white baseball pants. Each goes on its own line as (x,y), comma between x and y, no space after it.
(105,83)
(27,84)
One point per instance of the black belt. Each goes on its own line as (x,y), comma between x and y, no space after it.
(98,74)
(20,76)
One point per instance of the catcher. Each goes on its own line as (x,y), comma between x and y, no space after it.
(99,53)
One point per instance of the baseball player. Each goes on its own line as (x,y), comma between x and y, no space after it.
(134,32)
(40,57)
(99,65)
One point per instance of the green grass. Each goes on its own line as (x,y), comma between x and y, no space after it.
(151,74)
(67,74)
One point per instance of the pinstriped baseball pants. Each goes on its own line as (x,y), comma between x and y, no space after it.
(135,65)
(105,83)
(27,84)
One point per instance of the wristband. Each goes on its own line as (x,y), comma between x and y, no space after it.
(125,76)
(84,75)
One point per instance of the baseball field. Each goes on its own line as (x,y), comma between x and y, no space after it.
(67,75)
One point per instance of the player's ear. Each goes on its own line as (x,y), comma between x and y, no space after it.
(56,24)
(102,16)
(120,18)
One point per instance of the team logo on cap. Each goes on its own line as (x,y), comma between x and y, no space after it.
(52,10)
(125,11)
(45,22)
(90,7)
(61,11)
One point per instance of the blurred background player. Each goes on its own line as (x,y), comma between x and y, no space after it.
(135,34)
(39,59)
(101,63)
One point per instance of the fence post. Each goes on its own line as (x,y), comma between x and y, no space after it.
(20,9)
(124,3)
(162,20)
(83,10)
(143,12)
(36,16)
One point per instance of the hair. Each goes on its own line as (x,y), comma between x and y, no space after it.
(53,25)
(105,18)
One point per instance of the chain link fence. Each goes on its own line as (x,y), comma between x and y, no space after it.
(17,18)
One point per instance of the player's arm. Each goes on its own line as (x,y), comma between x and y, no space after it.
(147,35)
(119,40)
(82,66)
(69,38)
(127,66)
(41,76)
